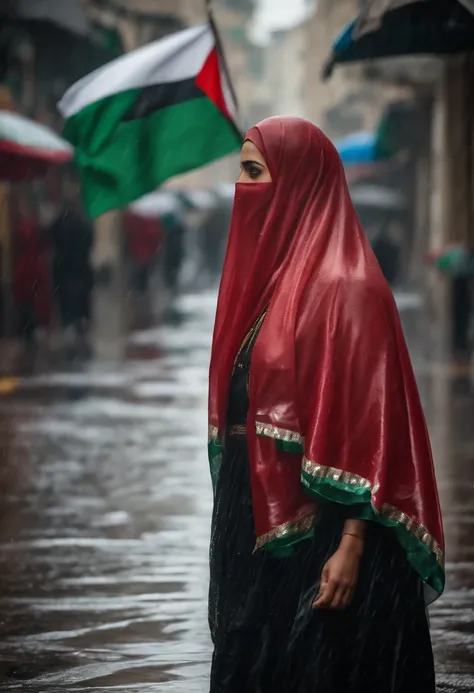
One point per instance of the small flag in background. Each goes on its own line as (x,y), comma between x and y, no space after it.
(161,110)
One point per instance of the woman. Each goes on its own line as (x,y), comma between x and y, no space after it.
(327,539)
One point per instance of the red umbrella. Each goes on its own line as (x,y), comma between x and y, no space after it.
(28,149)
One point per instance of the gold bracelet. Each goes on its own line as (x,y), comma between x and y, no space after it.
(351,534)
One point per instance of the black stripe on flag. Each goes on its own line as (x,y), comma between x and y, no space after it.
(158,96)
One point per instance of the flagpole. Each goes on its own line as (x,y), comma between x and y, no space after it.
(220,49)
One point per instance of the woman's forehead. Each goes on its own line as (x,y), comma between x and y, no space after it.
(250,151)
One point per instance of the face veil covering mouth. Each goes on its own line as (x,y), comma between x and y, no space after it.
(334,410)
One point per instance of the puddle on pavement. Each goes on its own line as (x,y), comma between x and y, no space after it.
(106,504)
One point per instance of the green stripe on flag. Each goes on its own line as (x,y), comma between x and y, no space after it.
(120,161)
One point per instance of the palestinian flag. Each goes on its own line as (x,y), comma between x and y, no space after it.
(154,113)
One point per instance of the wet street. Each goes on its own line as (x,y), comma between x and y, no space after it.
(105,511)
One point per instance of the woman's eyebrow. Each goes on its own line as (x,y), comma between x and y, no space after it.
(248,162)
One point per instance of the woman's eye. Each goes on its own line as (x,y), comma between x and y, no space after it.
(254,172)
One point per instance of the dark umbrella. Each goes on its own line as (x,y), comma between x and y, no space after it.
(404,27)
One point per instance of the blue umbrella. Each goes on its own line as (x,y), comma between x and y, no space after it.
(359,148)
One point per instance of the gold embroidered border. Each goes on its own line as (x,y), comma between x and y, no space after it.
(387,511)
(284,434)
(304,524)
(418,530)
(344,477)
(212,433)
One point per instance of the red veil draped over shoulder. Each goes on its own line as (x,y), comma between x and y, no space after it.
(334,412)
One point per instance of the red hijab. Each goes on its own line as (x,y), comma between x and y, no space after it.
(331,378)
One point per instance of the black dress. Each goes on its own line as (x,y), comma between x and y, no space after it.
(267,638)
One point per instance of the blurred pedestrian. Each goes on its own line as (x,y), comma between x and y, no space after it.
(144,240)
(326,531)
(175,231)
(72,242)
(214,234)
(31,286)
(461,307)
(456,263)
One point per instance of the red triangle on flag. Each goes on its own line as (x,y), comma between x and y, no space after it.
(209,80)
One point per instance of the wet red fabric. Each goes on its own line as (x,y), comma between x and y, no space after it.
(330,362)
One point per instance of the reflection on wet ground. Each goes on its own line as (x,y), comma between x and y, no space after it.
(106,501)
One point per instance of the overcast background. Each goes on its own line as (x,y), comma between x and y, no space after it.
(276,14)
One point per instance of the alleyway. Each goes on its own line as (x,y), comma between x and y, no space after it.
(106,500)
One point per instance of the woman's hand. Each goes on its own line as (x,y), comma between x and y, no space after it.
(339,576)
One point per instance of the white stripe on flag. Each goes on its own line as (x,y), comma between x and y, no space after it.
(174,58)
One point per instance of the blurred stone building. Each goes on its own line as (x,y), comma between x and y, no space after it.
(287,59)
(348,102)
(141,21)
(44,47)
(295,59)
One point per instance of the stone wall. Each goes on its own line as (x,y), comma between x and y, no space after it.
(287,71)
(347,102)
